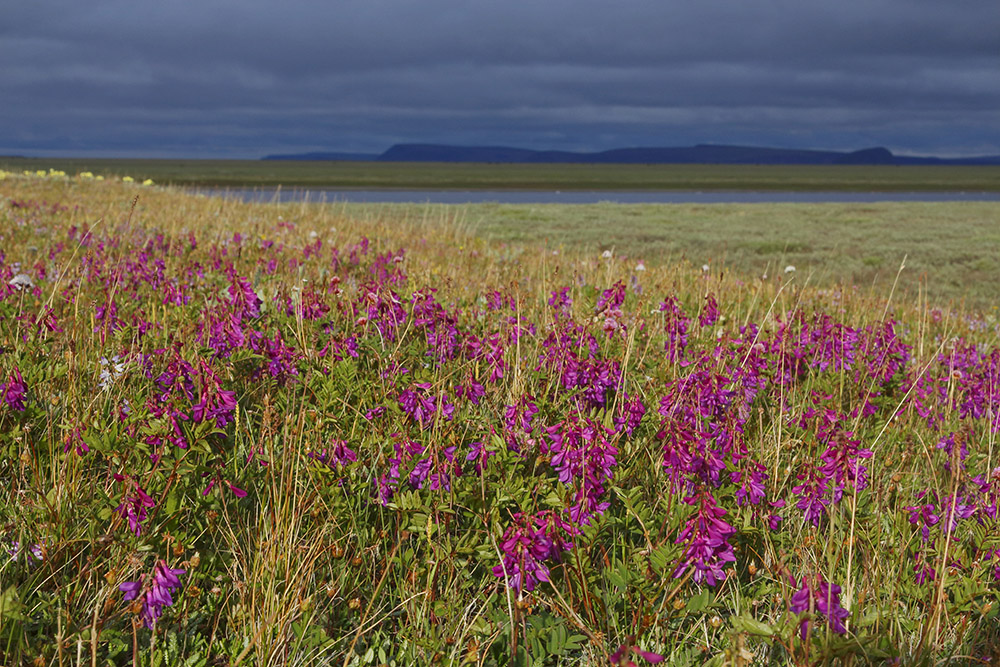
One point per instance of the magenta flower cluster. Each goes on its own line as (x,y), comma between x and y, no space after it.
(154,591)
(822,600)
(705,537)
(527,544)
(13,390)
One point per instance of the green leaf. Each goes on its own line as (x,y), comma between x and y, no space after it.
(173,501)
(751,626)
(10,605)
(699,601)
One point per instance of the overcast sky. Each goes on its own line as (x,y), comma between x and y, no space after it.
(244,78)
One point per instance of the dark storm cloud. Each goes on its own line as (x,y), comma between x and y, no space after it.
(248,77)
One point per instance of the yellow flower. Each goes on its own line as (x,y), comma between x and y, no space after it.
(86,174)
(148,181)
(98,178)
(128,179)
(41,172)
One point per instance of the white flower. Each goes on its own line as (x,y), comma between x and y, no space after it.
(789,269)
(110,371)
(640,267)
(606,254)
(704,268)
(21,281)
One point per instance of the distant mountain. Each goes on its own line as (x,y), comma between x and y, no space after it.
(700,154)
(326,157)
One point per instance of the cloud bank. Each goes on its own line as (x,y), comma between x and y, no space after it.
(221,78)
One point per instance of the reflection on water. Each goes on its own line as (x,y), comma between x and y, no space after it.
(582,197)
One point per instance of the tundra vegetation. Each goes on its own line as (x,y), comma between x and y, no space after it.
(279,434)
(490,176)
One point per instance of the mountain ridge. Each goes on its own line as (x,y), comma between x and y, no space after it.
(697,154)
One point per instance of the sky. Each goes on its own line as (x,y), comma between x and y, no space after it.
(246,78)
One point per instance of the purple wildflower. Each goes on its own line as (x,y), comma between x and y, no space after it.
(223,332)
(246,303)
(471,390)
(561,301)
(153,591)
(922,570)
(422,406)
(822,598)
(280,357)
(676,327)
(310,305)
(133,507)
(215,403)
(612,298)
(710,314)
(609,309)
(955,508)
(773,519)
(947,444)
(375,413)
(623,656)
(840,462)
(13,390)
(751,484)
(433,467)
(74,440)
(814,495)
(480,455)
(631,413)
(527,543)
(35,552)
(339,455)
(924,516)
(580,450)
(706,536)
(581,453)
(382,307)
(518,421)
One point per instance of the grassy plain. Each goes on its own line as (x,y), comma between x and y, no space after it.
(246,434)
(415,175)
(951,249)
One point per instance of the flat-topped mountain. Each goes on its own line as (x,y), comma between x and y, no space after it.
(700,154)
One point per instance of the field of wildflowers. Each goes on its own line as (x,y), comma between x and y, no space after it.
(268,434)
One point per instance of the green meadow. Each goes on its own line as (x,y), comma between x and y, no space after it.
(944,252)
(310,434)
